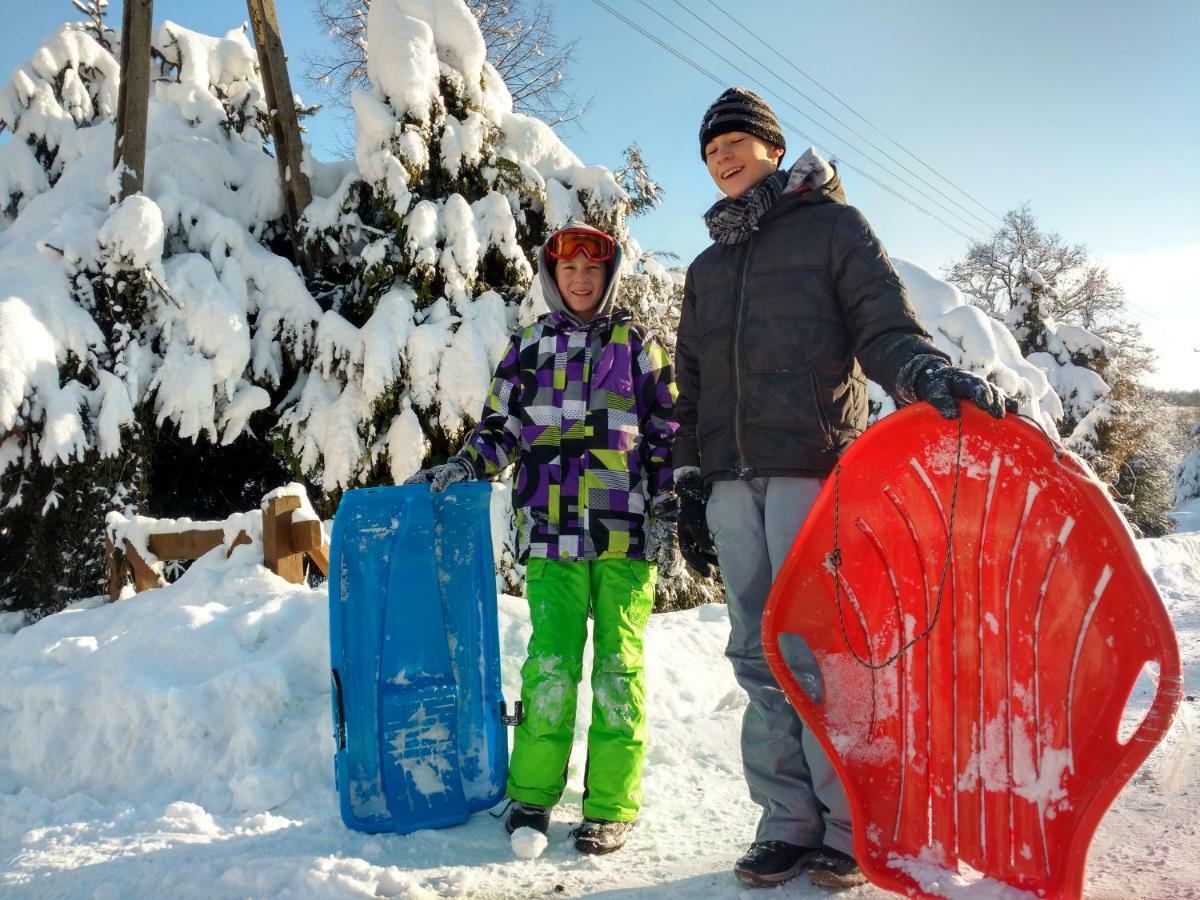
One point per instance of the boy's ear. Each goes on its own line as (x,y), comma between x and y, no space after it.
(777,154)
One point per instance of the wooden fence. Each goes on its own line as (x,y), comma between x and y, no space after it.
(286,539)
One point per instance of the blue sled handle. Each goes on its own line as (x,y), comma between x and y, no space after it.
(516,718)
(339,727)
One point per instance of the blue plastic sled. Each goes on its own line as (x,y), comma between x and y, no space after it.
(415,653)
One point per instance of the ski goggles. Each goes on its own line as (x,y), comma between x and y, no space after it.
(568,243)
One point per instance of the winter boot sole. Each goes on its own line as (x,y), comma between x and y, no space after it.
(826,878)
(756,879)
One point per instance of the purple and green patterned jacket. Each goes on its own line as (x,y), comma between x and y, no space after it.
(586,411)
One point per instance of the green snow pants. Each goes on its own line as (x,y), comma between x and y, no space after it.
(620,593)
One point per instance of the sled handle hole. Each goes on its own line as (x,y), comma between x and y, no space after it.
(802,663)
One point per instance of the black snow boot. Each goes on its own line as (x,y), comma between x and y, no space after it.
(527,815)
(601,836)
(835,869)
(772,862)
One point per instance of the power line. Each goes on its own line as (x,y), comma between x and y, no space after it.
(970,197)
(787,124)
(986,224)
(835,135)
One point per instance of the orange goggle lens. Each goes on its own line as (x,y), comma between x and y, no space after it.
(569,243)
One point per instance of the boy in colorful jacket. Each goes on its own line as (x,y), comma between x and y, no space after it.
(583,404)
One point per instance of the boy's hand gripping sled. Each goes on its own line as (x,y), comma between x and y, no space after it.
(415,654)
(971,700)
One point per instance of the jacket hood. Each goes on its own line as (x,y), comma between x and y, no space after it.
(814,179)
(554,300)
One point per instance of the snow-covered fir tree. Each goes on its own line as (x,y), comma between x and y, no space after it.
(432,237)
(1143,486)
(1107,418)
(1073,359)
(131,330)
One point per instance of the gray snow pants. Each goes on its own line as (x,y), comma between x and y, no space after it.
(753,524)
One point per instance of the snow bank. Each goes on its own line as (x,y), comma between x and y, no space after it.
(138,712)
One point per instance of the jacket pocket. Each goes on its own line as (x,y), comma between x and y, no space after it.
(819,408)
(535,569)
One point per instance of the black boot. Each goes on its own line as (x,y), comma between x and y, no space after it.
(527,815)
(601,836)
(772,862)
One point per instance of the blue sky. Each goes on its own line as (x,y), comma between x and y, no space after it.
(1090,110)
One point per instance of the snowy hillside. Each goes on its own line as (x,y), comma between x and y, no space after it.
(179,743)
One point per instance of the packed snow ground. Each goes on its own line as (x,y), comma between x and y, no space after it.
(179,744)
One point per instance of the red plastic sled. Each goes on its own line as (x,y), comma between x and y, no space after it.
(992,741)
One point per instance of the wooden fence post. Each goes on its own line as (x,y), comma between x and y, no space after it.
(285,126)
(278,553)
(133,97)
(116,569)
(144,577)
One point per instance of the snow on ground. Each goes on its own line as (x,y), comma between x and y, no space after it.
(178,743)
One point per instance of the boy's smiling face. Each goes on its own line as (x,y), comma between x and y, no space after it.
(737,161)
(581,283)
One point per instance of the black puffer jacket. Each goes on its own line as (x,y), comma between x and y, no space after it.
(773,333)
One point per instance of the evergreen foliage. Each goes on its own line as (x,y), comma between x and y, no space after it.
(55,488)
(142,338)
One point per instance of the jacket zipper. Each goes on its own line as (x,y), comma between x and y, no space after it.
(584,518)
(742,471)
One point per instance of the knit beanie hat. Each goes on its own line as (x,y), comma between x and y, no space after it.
(740,109)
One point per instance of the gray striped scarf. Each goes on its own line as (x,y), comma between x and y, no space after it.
(733,219)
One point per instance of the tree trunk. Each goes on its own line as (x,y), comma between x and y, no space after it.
(133,99)
(285,126)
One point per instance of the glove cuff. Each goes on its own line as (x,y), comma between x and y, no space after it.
(465,466)
(689,485)
(912,381)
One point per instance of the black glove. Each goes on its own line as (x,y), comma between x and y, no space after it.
(441,477)
(695,540)
(942,386)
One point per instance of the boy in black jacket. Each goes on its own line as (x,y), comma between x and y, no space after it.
(785,316)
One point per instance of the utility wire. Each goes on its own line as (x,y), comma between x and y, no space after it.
(719,81)
(969,196)
(834,134)
(862,137)
(652,37)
